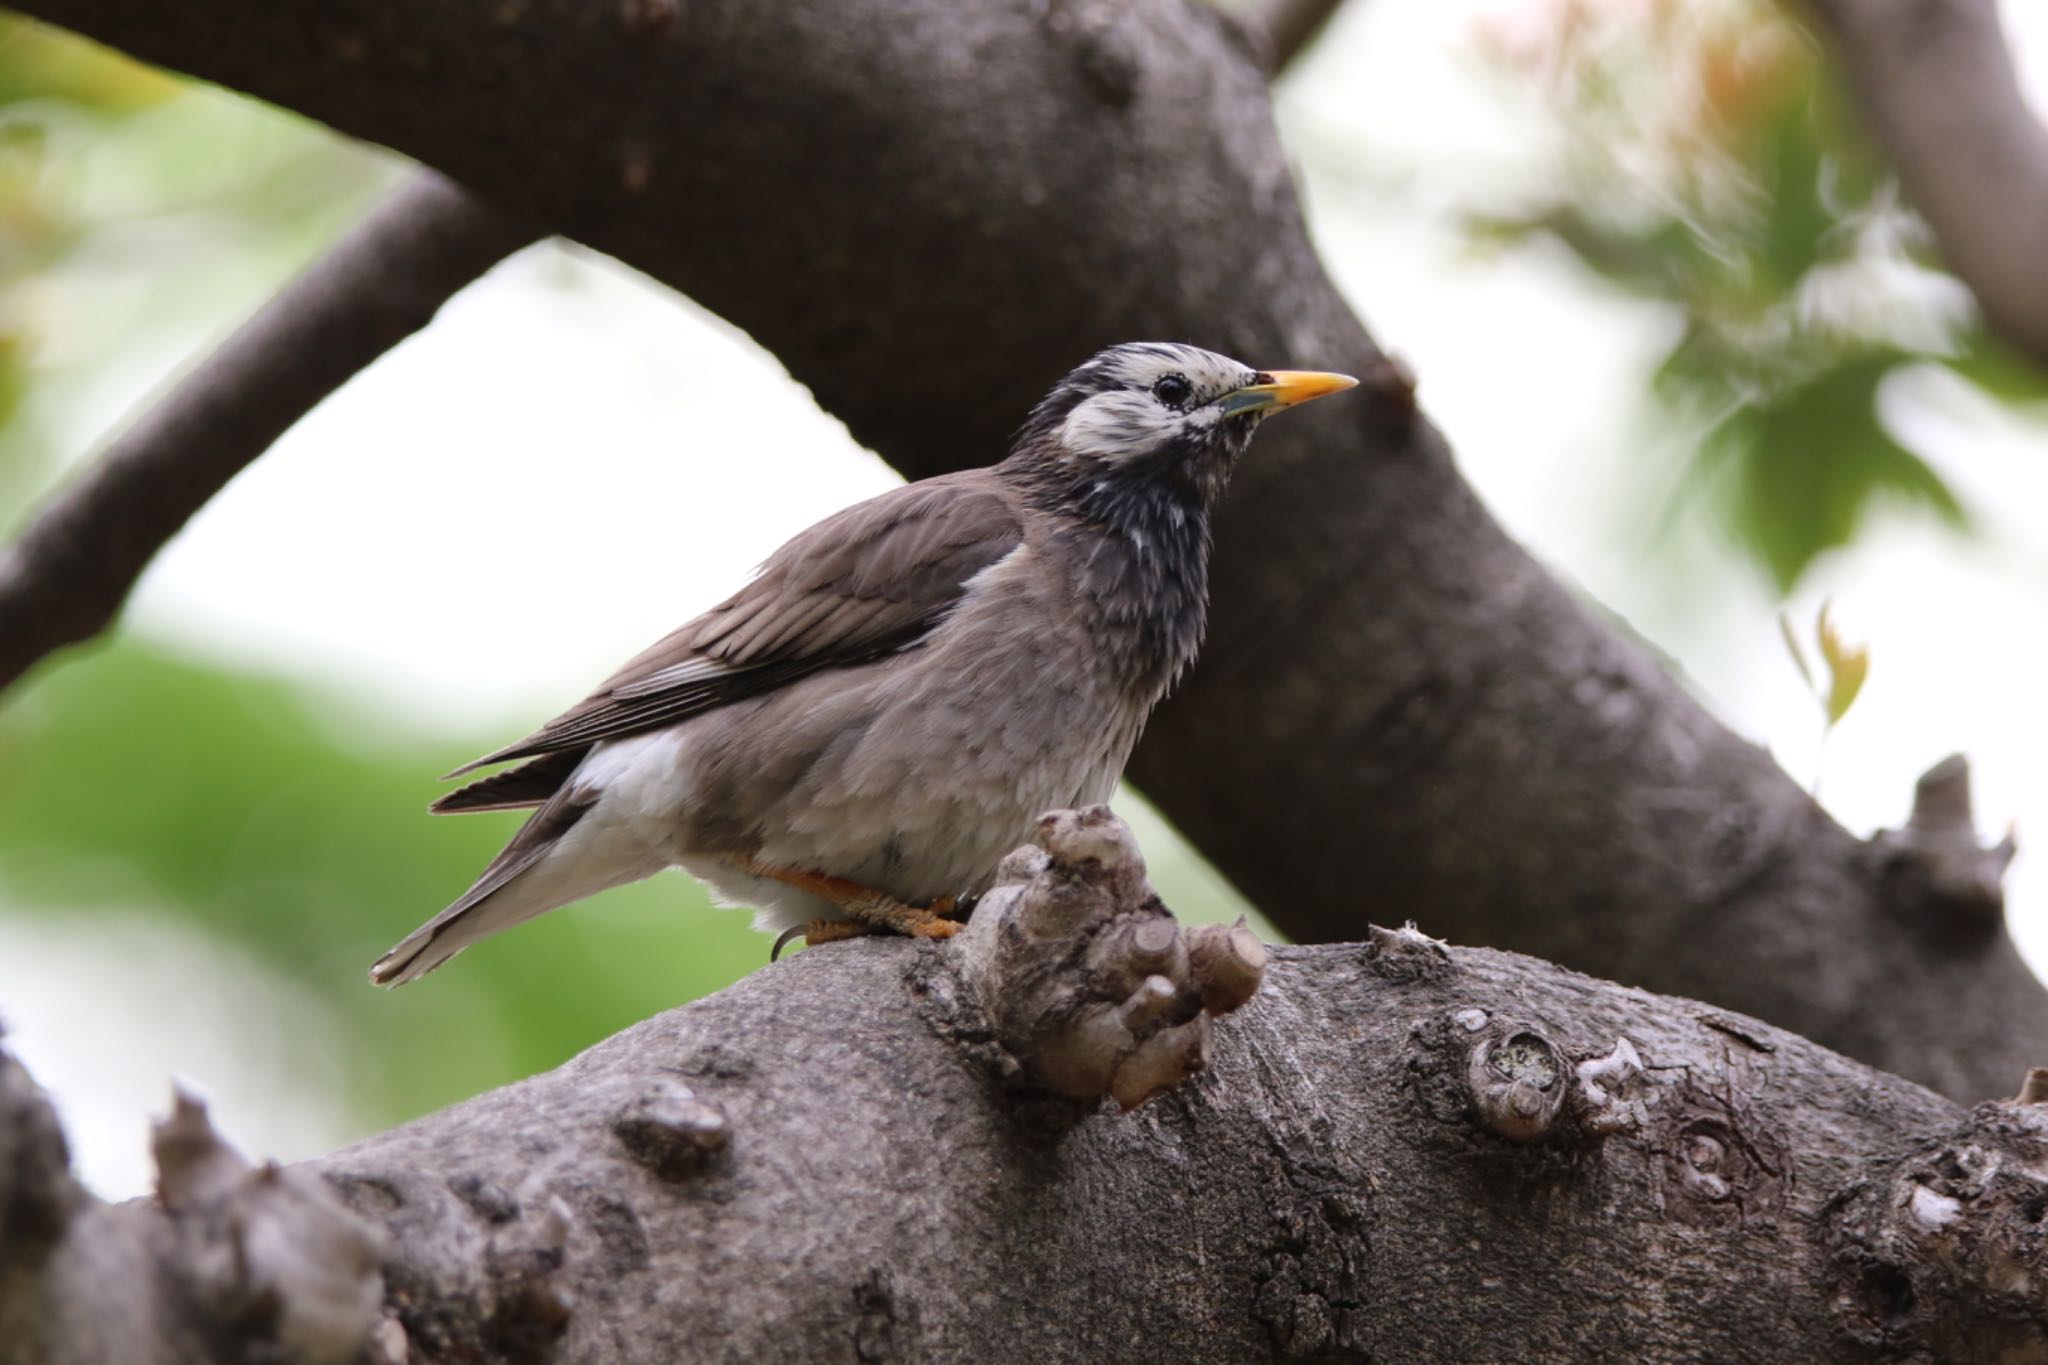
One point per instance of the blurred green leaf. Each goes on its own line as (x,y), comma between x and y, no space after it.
(40,62)
(108,169)
(1796,222)
(1848,666)
(245,808)
(297,827)
(1790,634)
(1799,469)
(1715,165)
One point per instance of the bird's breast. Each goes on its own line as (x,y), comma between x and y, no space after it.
(1139,596)
(916,773)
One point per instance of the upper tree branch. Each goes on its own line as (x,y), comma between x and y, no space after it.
(1937,83)
(78,560)
(67,575)
(1291,25)
(69,570)
(928,209)
(1394,1151)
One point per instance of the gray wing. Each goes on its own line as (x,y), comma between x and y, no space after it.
(868,581)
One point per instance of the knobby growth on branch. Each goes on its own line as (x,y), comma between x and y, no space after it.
(914,1150)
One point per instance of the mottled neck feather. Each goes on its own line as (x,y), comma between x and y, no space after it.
(1136,542)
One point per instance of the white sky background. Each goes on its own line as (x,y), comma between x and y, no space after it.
(640,457)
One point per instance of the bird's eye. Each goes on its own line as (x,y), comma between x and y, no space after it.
(1173,390)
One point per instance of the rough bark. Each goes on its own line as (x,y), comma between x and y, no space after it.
(1396,1151)
(929,211)
(1937,85)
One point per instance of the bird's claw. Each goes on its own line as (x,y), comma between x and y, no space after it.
(818,931)
(918,921)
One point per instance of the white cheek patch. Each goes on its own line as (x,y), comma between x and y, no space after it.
(1117,426)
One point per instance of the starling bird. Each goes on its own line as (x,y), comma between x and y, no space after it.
(852,741)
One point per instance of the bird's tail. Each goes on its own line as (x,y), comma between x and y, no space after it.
(554,859)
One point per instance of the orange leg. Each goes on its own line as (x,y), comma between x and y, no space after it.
(867,910)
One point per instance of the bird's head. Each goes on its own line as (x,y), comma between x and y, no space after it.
(1157,415)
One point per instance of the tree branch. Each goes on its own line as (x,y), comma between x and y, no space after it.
(928,210)
(1291,25)
(408,243)
(68,574)
(852,1155)
(1938,86)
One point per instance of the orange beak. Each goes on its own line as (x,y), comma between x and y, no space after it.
(1285,389)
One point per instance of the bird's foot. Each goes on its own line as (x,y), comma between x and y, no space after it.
(915,921)
(887,914)
(819,931)
(926,924)
(867,910)
(927,921)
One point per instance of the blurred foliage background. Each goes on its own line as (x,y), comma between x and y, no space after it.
(273,823)
(256,838)
(1710,162)
(261,810)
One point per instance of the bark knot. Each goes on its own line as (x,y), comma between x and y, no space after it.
(1524,1087)
(1086,979)
(266,1254)
(37,1193)
(671,1131)
(1106,43)
(1936,862)
(524,1311)
(1943,1253)
(1407,954)
(1720,1166)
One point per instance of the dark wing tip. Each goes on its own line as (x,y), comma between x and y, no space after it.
(523,749)
(529,784)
